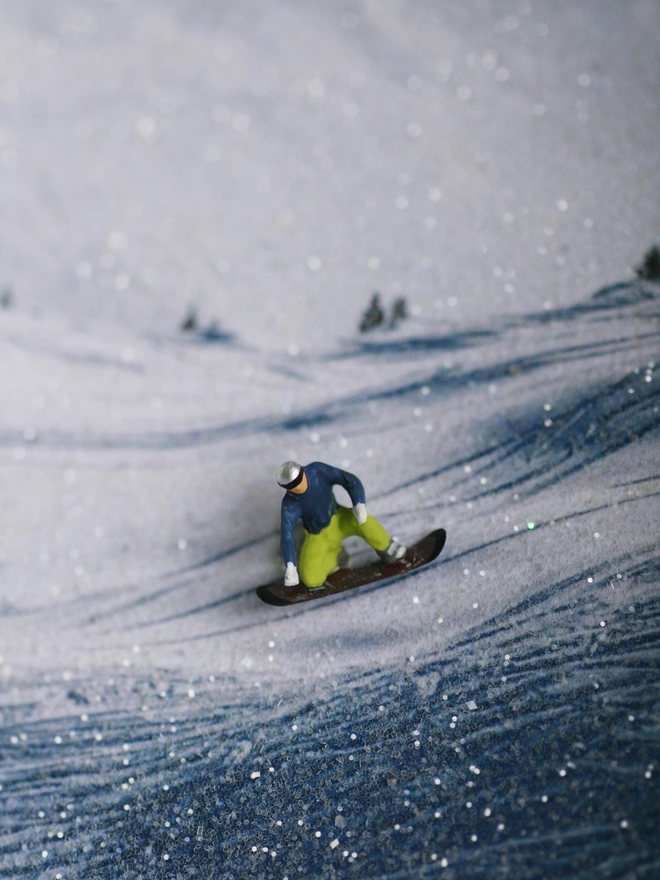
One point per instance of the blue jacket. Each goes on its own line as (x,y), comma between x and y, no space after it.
(317,505)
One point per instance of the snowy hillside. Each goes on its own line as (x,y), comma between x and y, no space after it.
(257,171)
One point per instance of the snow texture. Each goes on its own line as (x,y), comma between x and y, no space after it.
(199,201)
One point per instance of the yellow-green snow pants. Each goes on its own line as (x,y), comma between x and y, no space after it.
(318,556)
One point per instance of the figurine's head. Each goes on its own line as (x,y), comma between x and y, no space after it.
(291,476)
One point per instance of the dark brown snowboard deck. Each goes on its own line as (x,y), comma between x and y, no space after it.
(423,552)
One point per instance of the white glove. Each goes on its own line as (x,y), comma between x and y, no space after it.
(291,575)
(360,513)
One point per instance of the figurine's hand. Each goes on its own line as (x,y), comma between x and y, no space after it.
(291,578)
(360,513)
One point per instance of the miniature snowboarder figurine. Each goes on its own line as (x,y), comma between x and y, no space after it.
(309,496)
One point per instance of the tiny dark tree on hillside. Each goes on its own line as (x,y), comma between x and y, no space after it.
(399,311)
(373,316)
(189,323)
(649,269)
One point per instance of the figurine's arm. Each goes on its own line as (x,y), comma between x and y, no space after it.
(349,481)
(290,516)
(354,488)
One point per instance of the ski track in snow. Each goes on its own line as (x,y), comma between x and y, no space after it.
(522,742)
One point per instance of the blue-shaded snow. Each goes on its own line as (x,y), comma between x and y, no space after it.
(553,774)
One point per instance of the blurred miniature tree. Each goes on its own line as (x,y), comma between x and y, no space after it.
(649,269)
(7,298)
(399,311)
(373,316)
(189,323)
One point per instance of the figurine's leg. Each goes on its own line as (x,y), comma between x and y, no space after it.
(370,531)
(318,555)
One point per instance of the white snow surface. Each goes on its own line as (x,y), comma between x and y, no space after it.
(271,164)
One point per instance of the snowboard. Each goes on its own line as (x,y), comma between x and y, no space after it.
(421,553)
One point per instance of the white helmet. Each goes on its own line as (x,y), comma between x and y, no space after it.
(290,474)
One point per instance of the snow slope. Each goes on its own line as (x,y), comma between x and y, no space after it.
(271,165)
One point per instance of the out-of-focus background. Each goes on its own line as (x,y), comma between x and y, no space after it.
(414,240)
(271,163)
